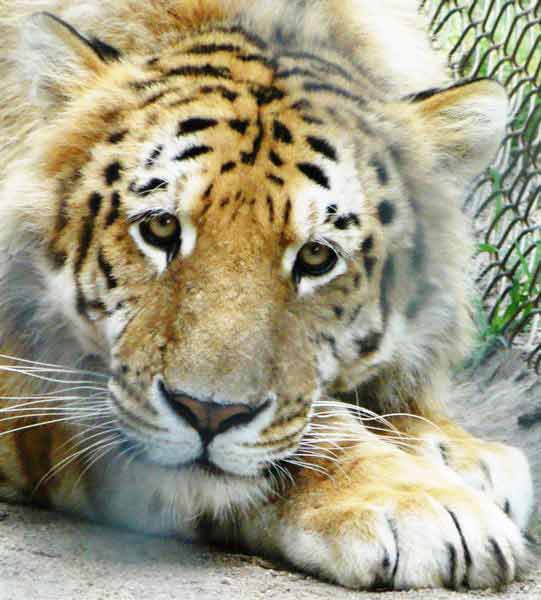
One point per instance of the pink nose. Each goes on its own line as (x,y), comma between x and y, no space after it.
(210,418)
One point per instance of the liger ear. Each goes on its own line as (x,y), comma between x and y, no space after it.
(465,125)
(57,61)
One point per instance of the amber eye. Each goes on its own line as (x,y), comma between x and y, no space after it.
(163,231)
(314,260)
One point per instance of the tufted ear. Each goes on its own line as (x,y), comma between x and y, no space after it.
(56,60)
(464,123)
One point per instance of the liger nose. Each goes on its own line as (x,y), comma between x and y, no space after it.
(210,418)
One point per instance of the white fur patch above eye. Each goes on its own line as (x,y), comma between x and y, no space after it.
(189,237)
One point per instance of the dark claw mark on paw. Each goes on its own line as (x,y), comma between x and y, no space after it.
(507,508)
(444,451)
(453,565)
(394,531)
(486,471)
(467,553)
(504,571)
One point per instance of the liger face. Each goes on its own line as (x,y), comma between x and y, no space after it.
(221,240)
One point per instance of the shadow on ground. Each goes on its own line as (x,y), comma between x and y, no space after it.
(47,556)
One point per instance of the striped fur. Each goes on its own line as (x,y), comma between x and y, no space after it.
(261,129)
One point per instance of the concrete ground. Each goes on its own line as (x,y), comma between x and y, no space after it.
(46,556)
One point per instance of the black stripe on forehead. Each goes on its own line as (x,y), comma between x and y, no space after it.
(322,147)
(195,124)
(200,71)
(154,185)
(213,48)
(315,173)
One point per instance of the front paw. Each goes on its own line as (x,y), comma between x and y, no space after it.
(412,537)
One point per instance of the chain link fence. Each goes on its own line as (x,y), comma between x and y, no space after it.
(501,39)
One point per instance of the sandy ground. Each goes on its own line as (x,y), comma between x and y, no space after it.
(45,556)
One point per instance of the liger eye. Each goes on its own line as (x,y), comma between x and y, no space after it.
(162,231)
(315,260)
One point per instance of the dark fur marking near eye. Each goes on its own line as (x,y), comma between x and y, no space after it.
(368,244)
(222,90)
(275,179)
(322,147)
(386,212)
(154,185)
(112,173)
(312,120)
(113,213)
(336,91)
(96,305)
(193,152)
(58,258)
(302,104)
(156,153)
(329,339)
(208,191)
(107,271)
(270,206)
(275,159)
(287,211)
(213,48)
(357,281)
(369,264)
(200,71)
(281,133)
(381,170)
(338,311)
(118,136)
(332,209)
(386,285)
(85,239)
(346,221)
(266,94)
(194,125)
(314,173)
(369,344)
(228,166)
(249,158)
(238,125)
